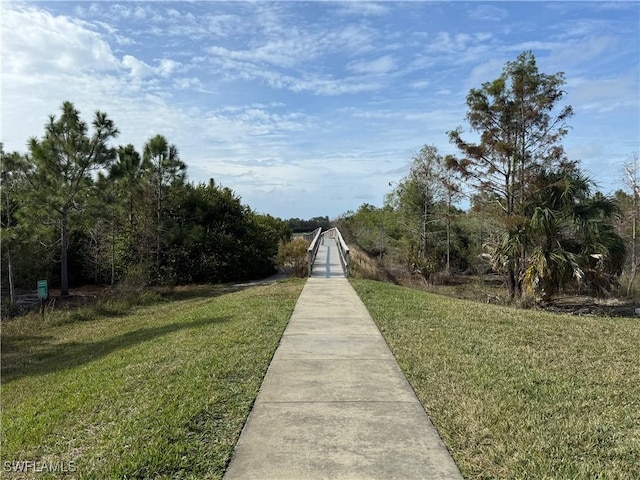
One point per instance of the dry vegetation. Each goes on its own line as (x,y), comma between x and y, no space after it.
(488,288)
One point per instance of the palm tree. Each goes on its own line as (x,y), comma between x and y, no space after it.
(568,236)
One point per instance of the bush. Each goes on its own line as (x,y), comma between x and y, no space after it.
(292,257)
(136,280)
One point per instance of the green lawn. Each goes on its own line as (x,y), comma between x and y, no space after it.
(518,394)
(160,392)
(163,391)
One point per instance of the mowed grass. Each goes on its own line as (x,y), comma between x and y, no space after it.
(518,394)
(161,392)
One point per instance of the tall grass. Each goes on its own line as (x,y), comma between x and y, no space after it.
(159,392)
(518,394)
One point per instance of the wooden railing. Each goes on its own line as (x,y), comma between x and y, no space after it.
(312,251)
(343,248)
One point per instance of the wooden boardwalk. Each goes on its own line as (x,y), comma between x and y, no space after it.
(327,263)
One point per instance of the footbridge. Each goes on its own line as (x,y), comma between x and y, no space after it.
(328,254)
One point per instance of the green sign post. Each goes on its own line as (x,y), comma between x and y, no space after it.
(43,294)
(43,289)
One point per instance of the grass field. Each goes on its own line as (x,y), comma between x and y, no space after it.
(518,394)
(160,392)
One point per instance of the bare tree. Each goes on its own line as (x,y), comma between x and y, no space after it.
(632,181)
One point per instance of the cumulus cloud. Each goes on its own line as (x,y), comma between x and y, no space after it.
(35,40)
(167,66)
(137,68)
(140,70)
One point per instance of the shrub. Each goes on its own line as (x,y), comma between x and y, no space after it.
(292,257)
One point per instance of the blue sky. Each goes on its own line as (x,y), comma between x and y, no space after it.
(312,108)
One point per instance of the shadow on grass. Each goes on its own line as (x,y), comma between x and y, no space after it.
(190,292)
(24,355)
(198,291)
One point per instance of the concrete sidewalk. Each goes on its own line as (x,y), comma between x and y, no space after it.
(334,403)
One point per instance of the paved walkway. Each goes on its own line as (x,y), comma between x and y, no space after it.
(334,403)
(327,264)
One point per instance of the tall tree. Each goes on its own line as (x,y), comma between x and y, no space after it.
(426,175)
(63,162)
(521,127)
(632,181)
(131,175)
(101,227)
(12,184)
(166,168)
(452,192)
(423,201)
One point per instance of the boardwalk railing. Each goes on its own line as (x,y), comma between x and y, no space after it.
(343,248)
(312,251)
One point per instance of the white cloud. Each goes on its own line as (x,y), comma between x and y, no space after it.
(606,94)
(463,45)
(138,69)
(144,12)
(420,84)
(167,66)
(378,66)
(297,47)
(269,62)
(363,8)
(189,83)
(484,72)
(223,25)
(281,53)
(34,40)
(488,12)
(257,95)
(581,50)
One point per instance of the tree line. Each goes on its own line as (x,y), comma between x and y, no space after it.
(76,210)
(535,217)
